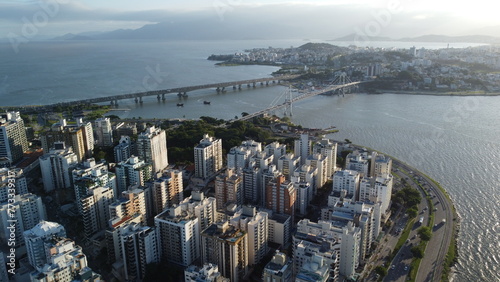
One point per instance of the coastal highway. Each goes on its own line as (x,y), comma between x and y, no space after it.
(399,267)
(431,266)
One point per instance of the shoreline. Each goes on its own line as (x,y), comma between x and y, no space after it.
(435,93)
(451,254)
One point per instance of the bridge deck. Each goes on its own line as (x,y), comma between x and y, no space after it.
(160,92)
(296,99)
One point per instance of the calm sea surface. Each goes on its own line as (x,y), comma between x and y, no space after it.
(455,140)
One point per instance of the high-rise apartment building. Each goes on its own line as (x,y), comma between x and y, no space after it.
(12,178)
(287,164)
(328,149)
(281,196)
(26,211)
(179,236)
(79,137)
(124,150)
(349,250)
(358,161)
(204,209)
(319,162)
(4,275)
(103,132)
(56,167)
(266,175)
(167,190)
(208,157)
(36,237)
(276,150)
(302,148)
(255,224)
(66,263)
(132,171)
(93,199)
(139,248)
(251,193)
(152,148)
(13,142)
(226,246)
(96,173)
(308,248)
(347,180)
(381,165)
(279,269)
(228,189)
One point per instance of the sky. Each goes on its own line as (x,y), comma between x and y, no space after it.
(325,19)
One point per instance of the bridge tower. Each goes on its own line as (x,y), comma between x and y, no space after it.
(288,102)
(341,79)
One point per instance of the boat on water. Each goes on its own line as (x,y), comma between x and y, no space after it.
(180,105)
(206,102)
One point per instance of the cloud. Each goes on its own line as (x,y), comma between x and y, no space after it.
(289,20)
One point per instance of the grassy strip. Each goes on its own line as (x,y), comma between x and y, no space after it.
(415,264)
(451,256)
(402,239)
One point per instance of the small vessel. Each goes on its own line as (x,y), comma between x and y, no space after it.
(206,102)
(180,105)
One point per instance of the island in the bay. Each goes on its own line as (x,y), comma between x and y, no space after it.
(445,71)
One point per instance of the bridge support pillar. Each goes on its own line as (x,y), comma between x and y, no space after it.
(261,83)
(116,103)
(239,86)
(163,97)
(267,83)
(158,97)
(140,100)
(248,85)
(254,84)
(223,89)
(136,100)
(234,87)
(218,89)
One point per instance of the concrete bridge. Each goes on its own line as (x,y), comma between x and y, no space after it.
(160,94)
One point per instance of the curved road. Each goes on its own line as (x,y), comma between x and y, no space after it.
(431,266)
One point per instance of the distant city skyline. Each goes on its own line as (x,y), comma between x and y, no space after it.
(392,18)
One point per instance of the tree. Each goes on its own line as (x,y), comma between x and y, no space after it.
(412,212)
(380,270)
(113,117)
(417,252)
(425,233)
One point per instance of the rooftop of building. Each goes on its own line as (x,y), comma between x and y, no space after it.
(44,228)
(281,218)
(225,232)
(176,215)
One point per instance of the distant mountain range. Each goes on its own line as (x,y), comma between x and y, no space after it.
(217,30)
(193,30)
(427,38)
